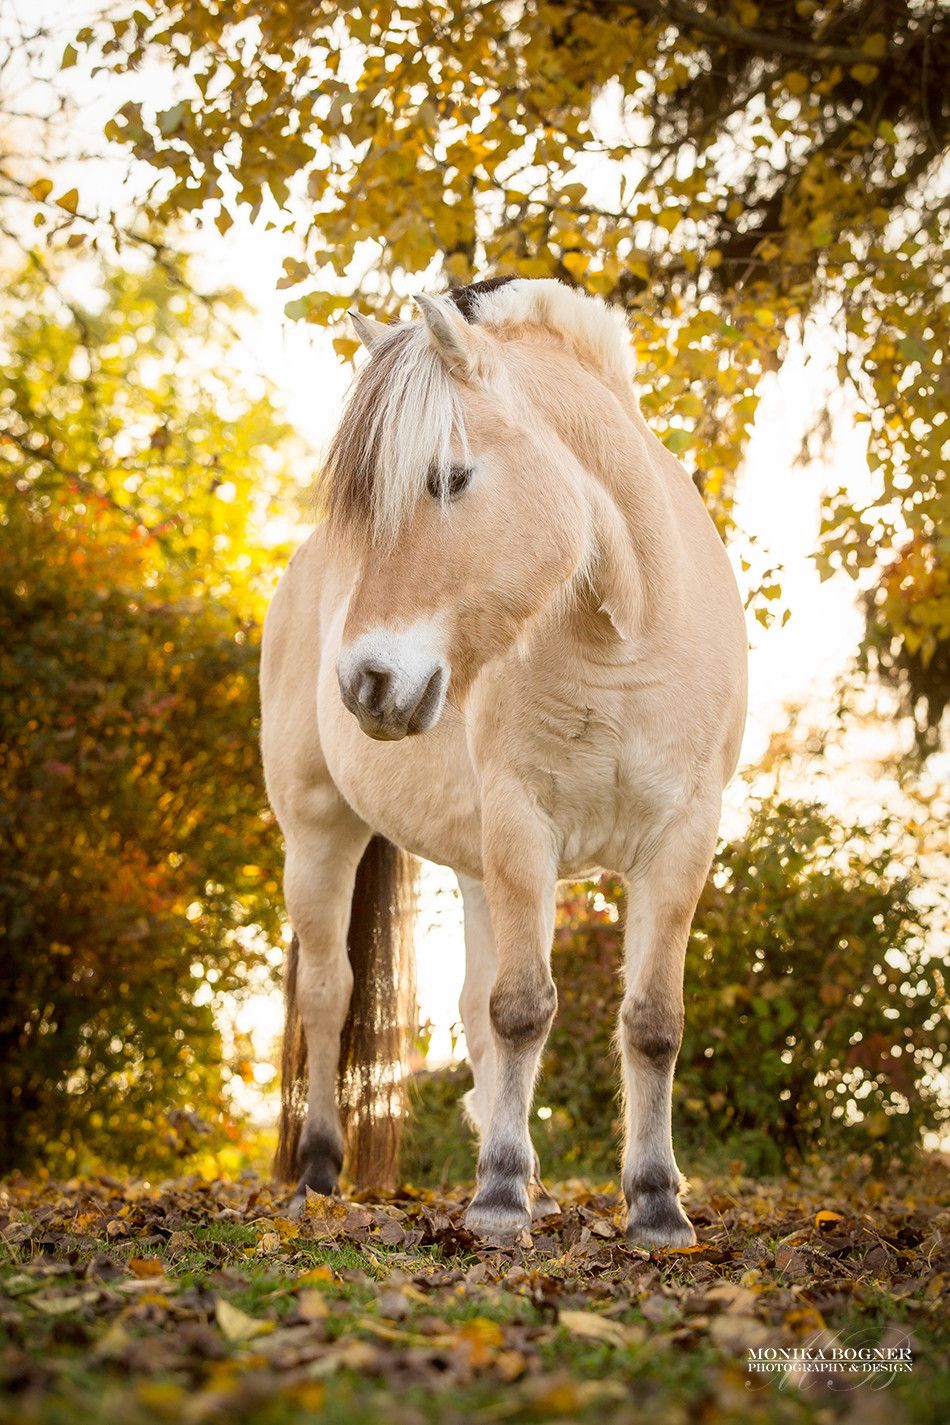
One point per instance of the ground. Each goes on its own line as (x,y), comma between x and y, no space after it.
(201,1301)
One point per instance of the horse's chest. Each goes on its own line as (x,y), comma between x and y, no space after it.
(608,797)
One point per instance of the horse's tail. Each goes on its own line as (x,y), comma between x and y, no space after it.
(293,1074)
(372,1078)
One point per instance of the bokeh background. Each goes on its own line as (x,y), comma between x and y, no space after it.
(190,199)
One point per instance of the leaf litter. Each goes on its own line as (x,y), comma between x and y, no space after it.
(199,1300)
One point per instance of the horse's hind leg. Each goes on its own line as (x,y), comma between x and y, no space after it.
(661,901)
(325,841)
(481,961)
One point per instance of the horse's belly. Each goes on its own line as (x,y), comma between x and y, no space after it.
(420,793)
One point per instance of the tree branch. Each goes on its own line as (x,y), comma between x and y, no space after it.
(685,17)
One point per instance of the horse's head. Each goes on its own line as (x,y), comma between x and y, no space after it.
(461,517)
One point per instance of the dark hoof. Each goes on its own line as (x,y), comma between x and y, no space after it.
(320,1158)
(657,1220)
(499,1214)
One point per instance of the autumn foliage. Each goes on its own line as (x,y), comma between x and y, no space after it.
(139,867)
(739,179)
(735,176)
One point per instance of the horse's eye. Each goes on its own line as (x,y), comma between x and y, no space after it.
(448,484)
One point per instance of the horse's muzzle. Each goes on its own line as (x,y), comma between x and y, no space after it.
(387,705)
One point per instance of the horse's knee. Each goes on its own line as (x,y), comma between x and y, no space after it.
(324,981)
(522,1010)
(651,1032)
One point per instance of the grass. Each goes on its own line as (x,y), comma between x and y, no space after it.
(207,1304)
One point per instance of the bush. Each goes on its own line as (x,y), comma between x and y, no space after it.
(815,1018)
(139,867)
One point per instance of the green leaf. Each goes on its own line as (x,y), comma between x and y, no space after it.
(679,440)
(169,121)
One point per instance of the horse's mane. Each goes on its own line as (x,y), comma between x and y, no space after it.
(403,408)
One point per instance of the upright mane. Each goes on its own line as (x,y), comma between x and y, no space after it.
(403,408)
(597,332)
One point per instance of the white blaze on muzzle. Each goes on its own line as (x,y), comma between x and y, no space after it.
(394,681)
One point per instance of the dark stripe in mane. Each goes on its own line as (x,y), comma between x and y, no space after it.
(466,298)
(402,384)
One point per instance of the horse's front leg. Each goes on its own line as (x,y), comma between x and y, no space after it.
(520,878)
(481,968)
(661,901)
(324,845)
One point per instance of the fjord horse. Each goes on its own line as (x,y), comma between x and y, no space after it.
(514,646)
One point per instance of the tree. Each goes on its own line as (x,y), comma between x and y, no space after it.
(140,872)
(725,172)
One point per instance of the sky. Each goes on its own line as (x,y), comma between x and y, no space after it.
(778,505)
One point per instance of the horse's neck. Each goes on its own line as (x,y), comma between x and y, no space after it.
(633,573)
(638,482)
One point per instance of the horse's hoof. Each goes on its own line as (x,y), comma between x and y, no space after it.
(659,1222)
(499,1220)
(542,1203)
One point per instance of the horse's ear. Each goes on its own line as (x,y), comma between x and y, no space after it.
(368,329)
(450,333)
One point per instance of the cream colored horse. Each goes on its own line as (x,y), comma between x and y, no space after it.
(515,647)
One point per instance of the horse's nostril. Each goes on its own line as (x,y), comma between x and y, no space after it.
(372,688)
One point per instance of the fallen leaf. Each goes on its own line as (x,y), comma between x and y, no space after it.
(731,1297)
(593,1327)
(351,1355)
(738,1333)
(60,1305)
(311,1305)
(394,1304)
(146,1267)
(113,1344)
(236,1325)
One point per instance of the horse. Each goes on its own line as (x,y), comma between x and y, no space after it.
(513,645)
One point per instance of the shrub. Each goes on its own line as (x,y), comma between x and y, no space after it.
(815,1015)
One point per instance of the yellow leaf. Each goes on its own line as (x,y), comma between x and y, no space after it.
(312,1305)
(236,1325)
(594,1327)
(318,1274)
(669,219)
(875,46)
(114,1343)
(69,200)
(864,73)
(576,263)
(146,1267)
(796,82)
(826,1218)
(41,189)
